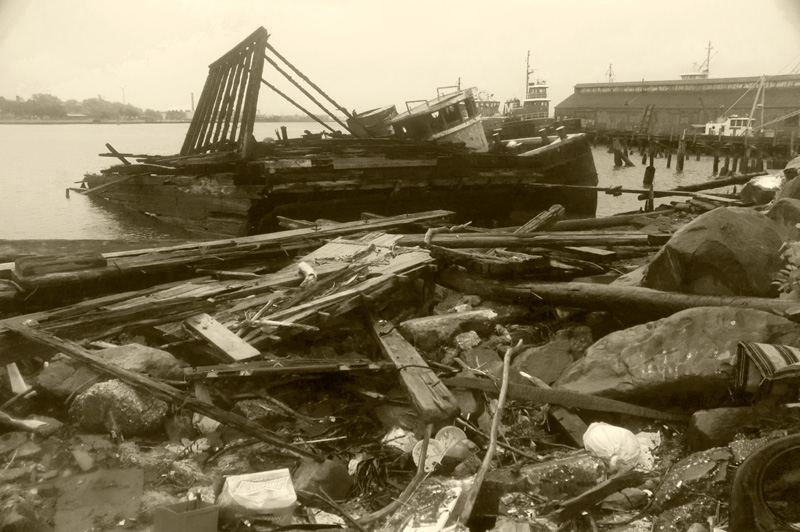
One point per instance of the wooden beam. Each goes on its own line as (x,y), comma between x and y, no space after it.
(430,396)
(564,398)
(649,304)
(161,391)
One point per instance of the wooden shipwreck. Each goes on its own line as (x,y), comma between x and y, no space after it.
(226,183)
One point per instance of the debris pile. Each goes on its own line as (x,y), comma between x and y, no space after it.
(402,374)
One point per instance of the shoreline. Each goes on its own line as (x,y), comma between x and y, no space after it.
(124,122)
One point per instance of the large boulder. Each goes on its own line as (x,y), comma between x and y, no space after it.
(761,189)
(786,215)
(683,360)
(63,376)
(115,406)
(731,251)
(548,361)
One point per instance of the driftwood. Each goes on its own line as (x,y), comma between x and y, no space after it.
(583,224)
(161,391)
(648,304)
(564,398)
(513,240)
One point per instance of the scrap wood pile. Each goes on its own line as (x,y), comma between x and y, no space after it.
(398,381)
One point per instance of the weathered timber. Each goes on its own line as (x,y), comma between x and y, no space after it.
(161,391)
(11,250)
(616,190)
(582,224)
(434,402)
(719,183)
(117,154)
(543,220)
(187,257)
(594,403)
(286,366)
(513,240)
(39,265)
(221,338)
(638,303)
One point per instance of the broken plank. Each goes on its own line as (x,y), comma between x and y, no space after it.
(432,399)
(160,390)
(221,338)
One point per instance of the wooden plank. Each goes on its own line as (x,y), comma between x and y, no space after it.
(160,390)
(432,399)
(222,338)
(39,265)
(284,367)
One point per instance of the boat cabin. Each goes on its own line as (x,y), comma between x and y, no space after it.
(453,117)
(730,126)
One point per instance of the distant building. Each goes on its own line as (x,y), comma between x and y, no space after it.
(680,105)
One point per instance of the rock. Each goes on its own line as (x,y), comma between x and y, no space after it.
(626,500)
(686,358)
(83,459)
(697,527)
(497,483)
(791,187)
(786,215)
(761,189)
(724,252)
(19,515)
(469,401)
(330,477)
(680,518)
(259,410)
(63,376)
(549,361)
(718,426)
(431,332)
(10,475)
(28,451)
(481,357)
(133,412)
(179,426)
(51,426)
(468,340)
(546,362)
(704,472)
(11,441)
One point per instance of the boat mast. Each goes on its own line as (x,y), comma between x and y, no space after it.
(527,74)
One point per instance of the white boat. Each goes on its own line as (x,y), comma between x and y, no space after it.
(730,126)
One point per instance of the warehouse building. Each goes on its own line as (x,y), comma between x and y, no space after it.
(686,104)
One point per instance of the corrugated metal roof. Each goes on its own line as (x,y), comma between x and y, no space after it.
(783,98)
(709,81)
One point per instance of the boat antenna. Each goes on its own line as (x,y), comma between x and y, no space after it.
(610,74)
(527,73)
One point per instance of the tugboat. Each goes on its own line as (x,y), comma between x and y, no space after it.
(527,118)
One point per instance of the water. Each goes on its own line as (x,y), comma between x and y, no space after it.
(39,162)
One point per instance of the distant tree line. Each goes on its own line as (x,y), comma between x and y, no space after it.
(49,107)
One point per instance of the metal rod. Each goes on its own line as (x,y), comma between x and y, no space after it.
(305,78)
(308,94)
(288,99)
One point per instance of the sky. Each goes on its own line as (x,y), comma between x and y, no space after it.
(370,53)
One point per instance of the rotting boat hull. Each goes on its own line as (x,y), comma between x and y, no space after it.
(231,197)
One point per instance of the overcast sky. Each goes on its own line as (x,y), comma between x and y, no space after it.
(369,53)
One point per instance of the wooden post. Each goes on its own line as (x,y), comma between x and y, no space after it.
(284,133)
(669,157)
(716,161)
(562,133)
(726,168)
(791,146)
(681,155)
(735,164)
(617,154)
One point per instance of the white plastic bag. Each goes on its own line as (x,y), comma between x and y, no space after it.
(268,492)
(616,446)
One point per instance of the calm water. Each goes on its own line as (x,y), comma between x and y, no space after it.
(39,162)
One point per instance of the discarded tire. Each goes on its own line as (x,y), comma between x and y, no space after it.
(749,508)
